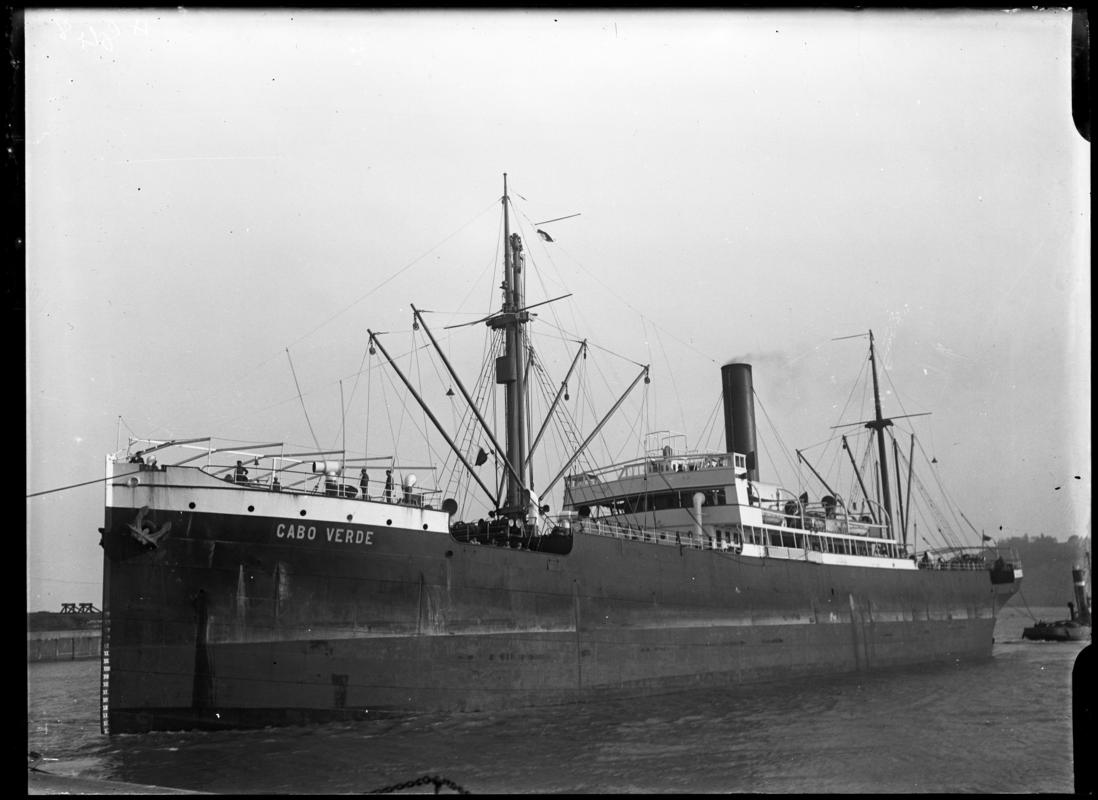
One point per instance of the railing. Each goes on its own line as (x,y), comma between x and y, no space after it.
(817,518)
(637,467)
(994,559)
(270,467)
(595,527)
(969,558)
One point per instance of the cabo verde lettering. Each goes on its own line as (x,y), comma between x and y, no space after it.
(309,533)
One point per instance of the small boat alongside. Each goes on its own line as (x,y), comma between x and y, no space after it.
(1076,628)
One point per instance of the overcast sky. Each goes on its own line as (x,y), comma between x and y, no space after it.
(207,190)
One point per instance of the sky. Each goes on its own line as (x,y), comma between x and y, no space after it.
(220,204)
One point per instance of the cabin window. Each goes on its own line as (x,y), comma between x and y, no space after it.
(789,540)
(775,539)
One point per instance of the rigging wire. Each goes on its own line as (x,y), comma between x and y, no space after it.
(674,384)
(369,396)
(783,448)
(419,381)
(951,504)
(616,293)
(532,266)
(576,338)
(394,438)
(493,264)
(860,380)
(299,397)
(432,454)
(709,429)
(82,483)
(945,495)
(594,413)
(243,377)
(396,274)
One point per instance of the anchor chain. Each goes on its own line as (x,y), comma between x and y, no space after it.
(439,782)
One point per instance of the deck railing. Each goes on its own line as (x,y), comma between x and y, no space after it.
(637,467)
(274,467)
(970,558)
(994,559)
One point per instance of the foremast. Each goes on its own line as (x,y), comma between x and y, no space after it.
(511,366)
(516,502)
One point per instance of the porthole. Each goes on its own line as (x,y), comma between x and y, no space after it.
(251,508)
(190,505)
(388,522)
(350,517)
(303,512)
(424,526)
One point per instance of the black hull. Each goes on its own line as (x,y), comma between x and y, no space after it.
(223,622)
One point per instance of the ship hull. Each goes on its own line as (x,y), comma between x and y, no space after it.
(229,621)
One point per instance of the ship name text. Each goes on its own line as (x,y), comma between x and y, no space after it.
(309,533)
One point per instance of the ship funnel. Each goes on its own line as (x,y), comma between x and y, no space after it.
(739,414)
(1081,596)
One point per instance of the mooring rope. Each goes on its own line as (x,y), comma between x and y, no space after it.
(83,483)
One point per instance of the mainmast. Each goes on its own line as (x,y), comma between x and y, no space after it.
(878,424)
(511,367)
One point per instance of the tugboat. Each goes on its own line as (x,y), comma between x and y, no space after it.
(1076,628)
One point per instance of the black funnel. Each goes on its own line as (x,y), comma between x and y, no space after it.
(1080,585)
(739,414)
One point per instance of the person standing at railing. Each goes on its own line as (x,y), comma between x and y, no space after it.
(364,483)
(388,486)
(241,473)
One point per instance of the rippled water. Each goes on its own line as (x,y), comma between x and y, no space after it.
(1001,725)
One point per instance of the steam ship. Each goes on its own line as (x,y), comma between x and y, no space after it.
(273,590)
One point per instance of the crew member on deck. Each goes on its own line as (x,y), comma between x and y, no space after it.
(388,486)
(241,475)
(363,483)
